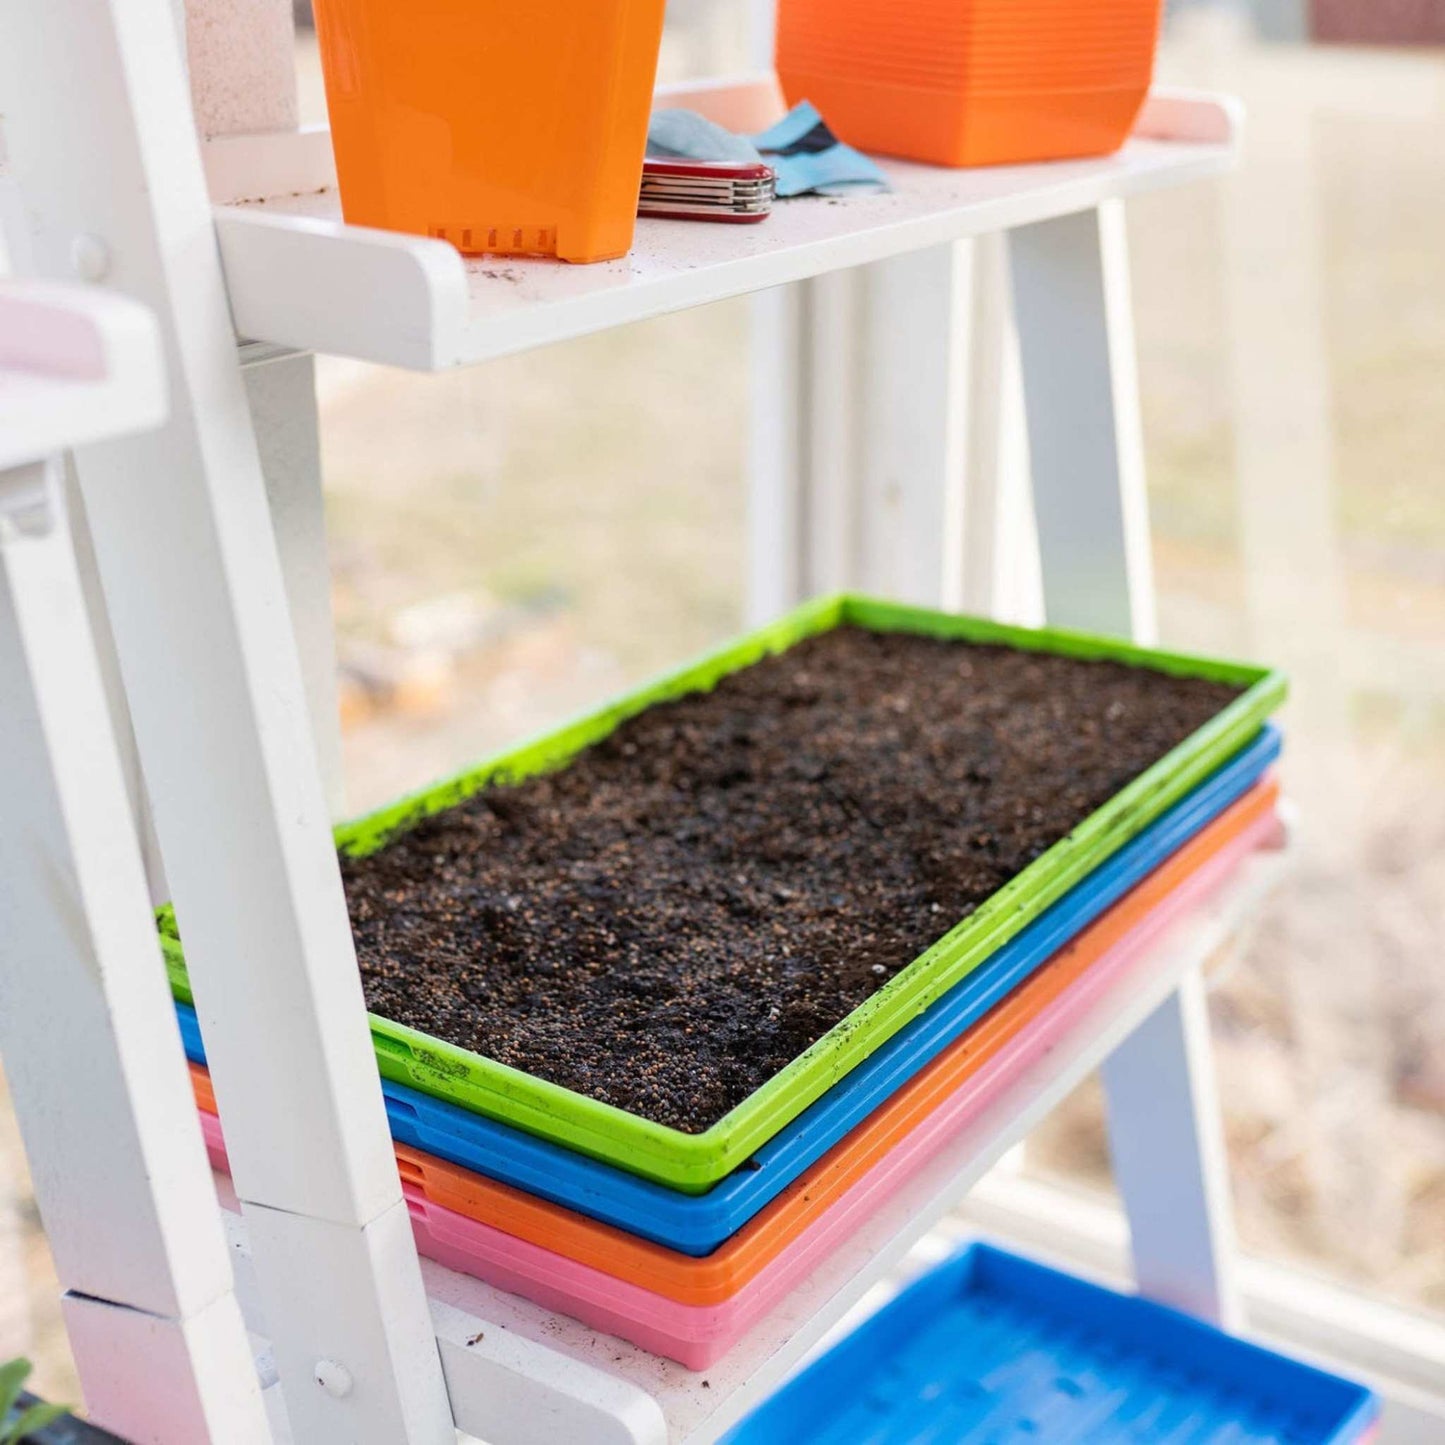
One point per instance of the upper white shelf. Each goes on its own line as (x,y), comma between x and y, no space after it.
(300,277)
(76,365)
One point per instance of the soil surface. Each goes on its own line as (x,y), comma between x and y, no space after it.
(668,921)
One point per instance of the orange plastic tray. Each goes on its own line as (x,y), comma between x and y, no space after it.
(503,128)
(971,82)
(720,1275)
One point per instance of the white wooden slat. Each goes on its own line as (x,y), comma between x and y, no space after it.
(101,143)
(1071,293)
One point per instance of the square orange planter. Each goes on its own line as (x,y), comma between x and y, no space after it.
(505,129)
(971,82)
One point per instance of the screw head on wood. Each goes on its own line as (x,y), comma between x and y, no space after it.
(335,1379)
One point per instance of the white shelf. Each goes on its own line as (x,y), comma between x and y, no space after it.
(299,277)
(612,1391)
(76,365)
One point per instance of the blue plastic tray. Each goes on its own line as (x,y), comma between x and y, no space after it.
(989,1348)
(697,1223)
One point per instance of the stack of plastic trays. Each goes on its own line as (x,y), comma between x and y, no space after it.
(681,1243)
(989,1347)
(685,1275)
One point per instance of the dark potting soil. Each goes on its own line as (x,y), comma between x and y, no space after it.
(667,922)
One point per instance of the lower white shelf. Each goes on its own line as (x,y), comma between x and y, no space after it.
(519,1374)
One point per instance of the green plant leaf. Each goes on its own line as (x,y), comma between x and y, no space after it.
(31,1420)
(13,1375)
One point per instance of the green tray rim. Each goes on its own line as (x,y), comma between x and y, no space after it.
(691,1163)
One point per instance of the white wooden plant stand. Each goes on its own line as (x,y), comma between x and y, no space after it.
(208,541)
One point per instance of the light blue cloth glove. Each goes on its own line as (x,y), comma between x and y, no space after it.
(806,155)
(686,135)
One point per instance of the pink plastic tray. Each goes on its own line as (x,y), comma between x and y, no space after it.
(697,1335)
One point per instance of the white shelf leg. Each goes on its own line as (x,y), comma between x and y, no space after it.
(832,427)
(102,145)
(1081,401)
(1000,562)
(1169,1162)
(913,412)
(775,467)
(1071,297)
(87,1030)
(858,459)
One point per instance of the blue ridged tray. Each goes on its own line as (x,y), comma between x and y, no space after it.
(990,1349)
(696,1224)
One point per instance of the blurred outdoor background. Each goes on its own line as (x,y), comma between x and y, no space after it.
(514,541)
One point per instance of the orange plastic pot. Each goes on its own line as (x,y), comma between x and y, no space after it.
(971,82)
(502,128)
(719,1276)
